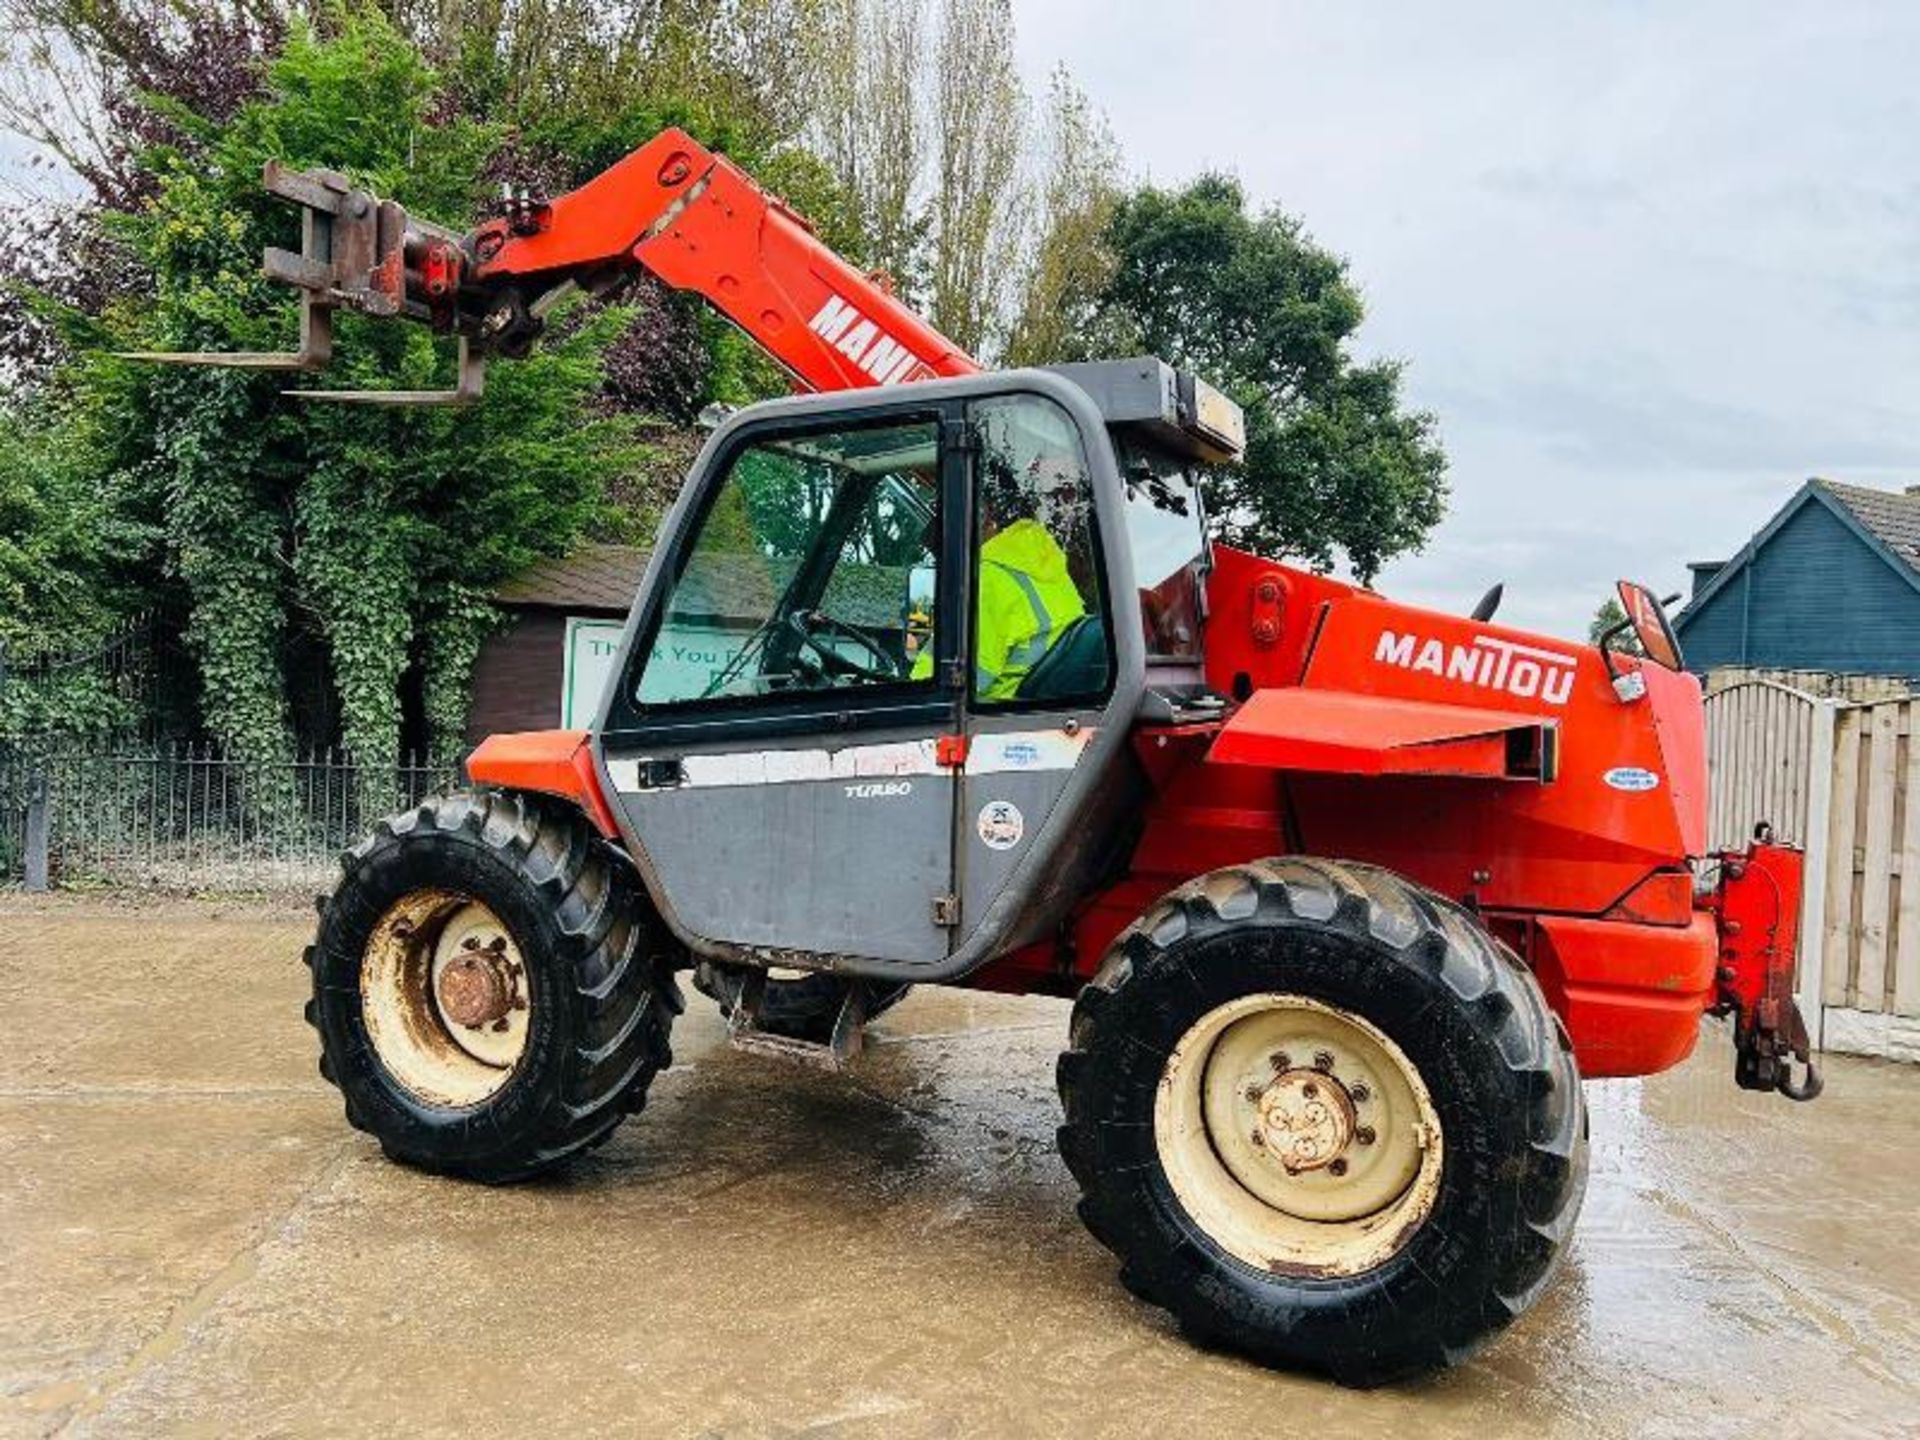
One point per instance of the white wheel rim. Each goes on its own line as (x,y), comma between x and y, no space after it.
(445,998)
(1298,1136)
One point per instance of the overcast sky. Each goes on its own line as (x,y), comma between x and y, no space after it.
(1651,264)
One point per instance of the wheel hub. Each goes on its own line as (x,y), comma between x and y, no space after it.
(1307,1119)
(478,988)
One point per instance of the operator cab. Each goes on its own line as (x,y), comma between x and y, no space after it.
(908,632)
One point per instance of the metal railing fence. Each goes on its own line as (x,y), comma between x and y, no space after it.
(188,817)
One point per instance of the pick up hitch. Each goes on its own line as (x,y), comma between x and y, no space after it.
(1756,907)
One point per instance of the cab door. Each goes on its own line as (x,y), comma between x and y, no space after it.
(775,735)
(1040,660)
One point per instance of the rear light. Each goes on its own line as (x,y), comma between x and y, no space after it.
(1663,898)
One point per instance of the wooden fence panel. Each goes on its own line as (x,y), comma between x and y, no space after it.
(1906,900)
(1842,848)
(1873,882)
(1875,863)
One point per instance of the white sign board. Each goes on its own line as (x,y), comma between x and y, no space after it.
(591,648)
(686,659)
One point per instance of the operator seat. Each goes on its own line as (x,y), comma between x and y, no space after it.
(1074,667)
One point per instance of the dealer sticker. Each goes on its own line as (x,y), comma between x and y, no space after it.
(1631,778)
(1001,825)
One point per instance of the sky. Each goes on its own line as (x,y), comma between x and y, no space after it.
(1651,265)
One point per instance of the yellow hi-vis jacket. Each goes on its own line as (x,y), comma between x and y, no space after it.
(1027,599)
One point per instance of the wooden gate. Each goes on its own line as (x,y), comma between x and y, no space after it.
(1762,738)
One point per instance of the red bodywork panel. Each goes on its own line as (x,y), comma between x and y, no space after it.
(1380,732)
(548,762)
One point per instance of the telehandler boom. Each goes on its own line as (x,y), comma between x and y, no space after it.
(935,676)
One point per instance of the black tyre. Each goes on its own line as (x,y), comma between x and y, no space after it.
(1325,1119)
(492,990)
(799,1007)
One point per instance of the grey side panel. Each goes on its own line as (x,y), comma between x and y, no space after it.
(825,866)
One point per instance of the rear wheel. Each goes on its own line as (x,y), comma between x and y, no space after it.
(492,992)
(1325,1119)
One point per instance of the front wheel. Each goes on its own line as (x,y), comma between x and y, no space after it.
(1325,1119)
(492,991)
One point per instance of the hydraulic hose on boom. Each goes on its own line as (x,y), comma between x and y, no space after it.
(672,209)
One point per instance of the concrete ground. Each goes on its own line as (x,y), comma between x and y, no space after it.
(191,1240)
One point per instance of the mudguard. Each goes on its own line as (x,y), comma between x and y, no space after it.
(1342,733)
(550,762)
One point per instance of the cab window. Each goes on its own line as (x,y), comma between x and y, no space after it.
(1167,538)
(1039,625)
(811,564)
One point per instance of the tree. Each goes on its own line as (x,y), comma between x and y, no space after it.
(920,113)
(61,593)
(1335,464)
(1070,265)
(978,207)
(869,127)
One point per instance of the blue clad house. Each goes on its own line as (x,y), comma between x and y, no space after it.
(1831,583)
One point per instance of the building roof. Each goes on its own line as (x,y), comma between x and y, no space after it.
(1892,515)
(723,588)
(592,579)
(1887,521)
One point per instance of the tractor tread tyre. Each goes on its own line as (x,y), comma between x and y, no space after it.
(1498,1065)
(800,1009)
(597,962)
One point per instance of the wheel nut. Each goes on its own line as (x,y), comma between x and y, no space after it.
(1323,1060)
(1257,1138)
(1359,1092)
(1338,1167)
(1254,1092)
(1310,1090)
(1364,1135)
(1280,1060)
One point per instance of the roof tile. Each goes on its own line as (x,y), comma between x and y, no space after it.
(1892,515)
(600,579)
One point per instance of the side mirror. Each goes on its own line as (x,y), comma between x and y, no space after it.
(1648,617)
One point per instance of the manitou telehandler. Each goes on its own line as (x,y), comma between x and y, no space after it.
(1348,894)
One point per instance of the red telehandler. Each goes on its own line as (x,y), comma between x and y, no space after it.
(935,676)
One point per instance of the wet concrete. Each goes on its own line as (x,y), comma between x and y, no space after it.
(192,1241)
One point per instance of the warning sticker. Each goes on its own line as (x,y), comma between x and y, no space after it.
(1001,825)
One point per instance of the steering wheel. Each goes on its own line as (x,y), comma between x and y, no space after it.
(810,625)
